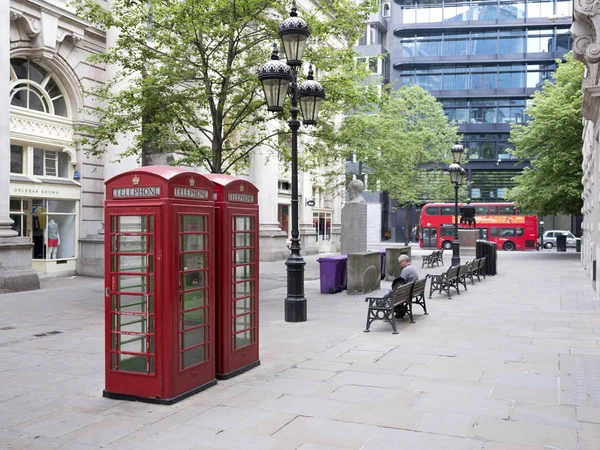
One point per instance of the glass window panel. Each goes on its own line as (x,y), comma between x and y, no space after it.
(132,263)
(132,244)
(194,356)
(481,210)
(506,210)
(243,306)
(408,47)
(38,161)
(193,242)
(63,165)
(244,338)
(193,299)
(244,256)
(447,210)
(507,232)
(243,240)
(409,15)
(50,163)
(243,322)
(422,15)
(132,224)
(61,206)
(435,13)
(193,223)
(36,72)
(131,363)
(132,283)
(244,272)
(194,337)
(432,211)
(19,98)
(193,261)
(132,303)
(20,67)
(483,46)
(36,102)
(243,289)
(16,159)
(563,7)
(504,115)
(243,223)
(60,107)
(546,9)
(192,319)
(193,280)
(511,10)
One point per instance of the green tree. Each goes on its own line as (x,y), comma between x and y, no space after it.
(553,140)
(188,81)
(402,144)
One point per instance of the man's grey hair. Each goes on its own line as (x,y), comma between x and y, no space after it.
(403,257)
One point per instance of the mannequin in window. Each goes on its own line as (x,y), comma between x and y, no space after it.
(51,239)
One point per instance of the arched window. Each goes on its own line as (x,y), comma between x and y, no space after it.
(32,87)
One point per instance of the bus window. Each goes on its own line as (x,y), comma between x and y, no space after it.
(507,210)
(520,231)
(447,210)
(493,210)
(494,232)
(447,231)
(507,232)
(481,210)
(432,211)
(483,233)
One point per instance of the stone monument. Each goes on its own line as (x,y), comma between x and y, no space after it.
(354,220)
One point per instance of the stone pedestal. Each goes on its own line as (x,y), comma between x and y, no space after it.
(16,273)
(467,238)
(91,256)
(364,272)
(273,243)
(392,266)
(354,228)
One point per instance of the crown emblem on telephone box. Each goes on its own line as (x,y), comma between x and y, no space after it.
(135,180)
(241,188)
(192,181)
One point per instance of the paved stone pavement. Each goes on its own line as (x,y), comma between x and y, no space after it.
(514,363)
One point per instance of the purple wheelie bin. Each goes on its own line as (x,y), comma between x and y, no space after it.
(333,273)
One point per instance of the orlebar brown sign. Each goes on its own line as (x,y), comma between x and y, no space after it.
(241,198)
(186,192)
(129,192)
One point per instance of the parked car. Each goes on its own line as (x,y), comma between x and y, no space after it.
(549,238)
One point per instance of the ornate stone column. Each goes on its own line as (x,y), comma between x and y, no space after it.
(586,48)
(16,273)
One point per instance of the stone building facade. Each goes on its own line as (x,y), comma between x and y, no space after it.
(45,48)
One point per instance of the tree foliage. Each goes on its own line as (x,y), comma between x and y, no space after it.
(405,144)
(187,74)
(553,141)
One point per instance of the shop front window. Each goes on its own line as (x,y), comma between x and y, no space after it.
(53,228)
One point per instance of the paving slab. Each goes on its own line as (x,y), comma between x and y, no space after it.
(511,364)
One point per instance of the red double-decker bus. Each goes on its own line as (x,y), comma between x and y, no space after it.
(496,222)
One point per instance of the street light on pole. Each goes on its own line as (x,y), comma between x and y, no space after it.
(280,79)
(457,175)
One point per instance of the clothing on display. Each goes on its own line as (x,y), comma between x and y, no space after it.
(52,239)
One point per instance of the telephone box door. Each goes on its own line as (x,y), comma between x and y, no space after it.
(239,341)
(133,357)
(193,352)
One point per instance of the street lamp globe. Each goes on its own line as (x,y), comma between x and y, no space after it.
(455,172)
(275,77)
(294,33)
(457,151)
(311,95)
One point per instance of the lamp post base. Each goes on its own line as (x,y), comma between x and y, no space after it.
(456,253)
(295,302)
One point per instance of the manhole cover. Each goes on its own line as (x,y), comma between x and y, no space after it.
(579,375)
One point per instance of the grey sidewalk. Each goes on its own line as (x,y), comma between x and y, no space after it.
(513,363)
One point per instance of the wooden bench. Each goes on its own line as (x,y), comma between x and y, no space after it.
(476,268)
(480,271)
(383,308)
(436,257)
(463,274)
(445,281)
(418,294)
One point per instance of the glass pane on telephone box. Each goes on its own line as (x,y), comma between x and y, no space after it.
(132,300)
(193,307)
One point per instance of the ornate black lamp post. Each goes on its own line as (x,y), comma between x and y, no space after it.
(280,79)
(457,174)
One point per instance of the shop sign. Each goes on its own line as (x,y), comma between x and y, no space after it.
(130,192)
(185,192)
(43,191)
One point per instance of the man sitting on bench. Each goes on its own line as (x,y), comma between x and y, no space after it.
(408,275)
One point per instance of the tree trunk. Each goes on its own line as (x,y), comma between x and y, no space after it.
(407,224)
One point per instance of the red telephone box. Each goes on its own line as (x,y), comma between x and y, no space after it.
(236,219)
(159,284)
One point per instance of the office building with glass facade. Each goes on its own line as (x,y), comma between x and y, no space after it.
(482,60)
